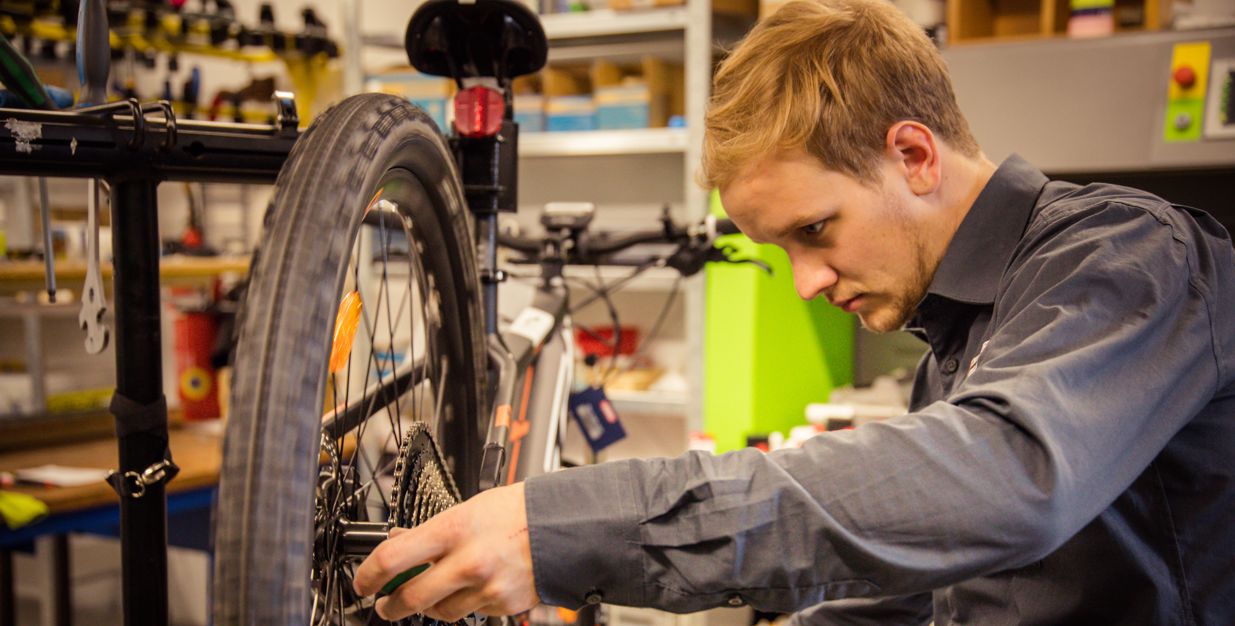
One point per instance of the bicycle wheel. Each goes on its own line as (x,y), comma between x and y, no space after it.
(366,229)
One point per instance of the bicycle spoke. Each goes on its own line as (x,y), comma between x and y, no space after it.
(396,419)
(425,317)
(343,419)
(401,376)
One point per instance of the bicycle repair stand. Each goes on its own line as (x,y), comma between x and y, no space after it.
(134,147)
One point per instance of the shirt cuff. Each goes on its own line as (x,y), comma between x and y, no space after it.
(583,525)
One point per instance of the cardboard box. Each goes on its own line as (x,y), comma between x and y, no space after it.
(529,102)
(645,95)
(768,7)
(568,98)
(431,93)
(745,8)
(570,113)
(530,112)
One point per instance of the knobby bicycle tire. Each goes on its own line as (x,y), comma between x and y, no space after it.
(265,526)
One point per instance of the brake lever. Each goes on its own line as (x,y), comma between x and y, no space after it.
(727,251)
(759,264)
(688,261)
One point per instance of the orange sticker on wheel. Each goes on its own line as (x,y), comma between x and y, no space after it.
(345,324)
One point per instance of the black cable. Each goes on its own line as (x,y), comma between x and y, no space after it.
(601,293)
(660,319)
(617,328)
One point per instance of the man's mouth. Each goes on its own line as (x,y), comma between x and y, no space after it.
(849,306)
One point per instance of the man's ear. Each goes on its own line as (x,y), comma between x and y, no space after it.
(914,152)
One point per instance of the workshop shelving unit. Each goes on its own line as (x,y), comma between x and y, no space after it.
(628,174)
(983,21)
(654,158)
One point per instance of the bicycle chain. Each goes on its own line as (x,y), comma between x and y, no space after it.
(423,486)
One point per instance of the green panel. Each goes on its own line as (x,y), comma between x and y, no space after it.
(729,366)
(768,353)
(802,349)
(1193,108)
(1089,5)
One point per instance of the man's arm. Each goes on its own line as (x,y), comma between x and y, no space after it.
(1102,355)
(912,610)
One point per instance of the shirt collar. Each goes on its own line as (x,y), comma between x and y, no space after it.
(983,244)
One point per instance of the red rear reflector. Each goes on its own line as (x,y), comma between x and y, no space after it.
(479,111)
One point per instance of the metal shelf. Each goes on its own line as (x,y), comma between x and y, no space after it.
(649,401)
(562,28)
(610,23)
(603,142)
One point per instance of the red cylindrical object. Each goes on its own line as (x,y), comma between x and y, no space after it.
(197,383)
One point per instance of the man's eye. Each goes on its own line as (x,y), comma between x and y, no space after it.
(814,229)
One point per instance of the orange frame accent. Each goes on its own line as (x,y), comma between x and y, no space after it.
(520,428)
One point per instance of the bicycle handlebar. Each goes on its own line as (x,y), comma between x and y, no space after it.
(598,247)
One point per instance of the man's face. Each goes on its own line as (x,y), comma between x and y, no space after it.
(869,249)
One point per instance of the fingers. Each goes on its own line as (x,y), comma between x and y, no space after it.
(406,548)
(481,558)
(458,605)
(456,576)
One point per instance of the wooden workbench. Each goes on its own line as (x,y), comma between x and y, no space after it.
(197,449)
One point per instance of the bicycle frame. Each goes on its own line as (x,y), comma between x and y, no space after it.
(534,362)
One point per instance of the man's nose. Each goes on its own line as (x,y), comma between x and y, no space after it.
(811,277)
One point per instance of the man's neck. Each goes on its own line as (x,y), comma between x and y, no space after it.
(965,179)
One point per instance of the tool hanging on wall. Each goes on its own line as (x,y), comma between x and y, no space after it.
(93,67)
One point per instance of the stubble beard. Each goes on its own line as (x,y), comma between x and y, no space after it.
(903,303)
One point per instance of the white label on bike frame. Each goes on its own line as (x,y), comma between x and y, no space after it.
(534,324)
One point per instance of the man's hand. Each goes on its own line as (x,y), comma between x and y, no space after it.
(481,561)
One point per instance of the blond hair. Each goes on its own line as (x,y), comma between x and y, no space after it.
(830,77)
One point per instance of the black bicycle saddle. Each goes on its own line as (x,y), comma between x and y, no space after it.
(502,39)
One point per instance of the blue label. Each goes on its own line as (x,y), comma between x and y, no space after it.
(597,418)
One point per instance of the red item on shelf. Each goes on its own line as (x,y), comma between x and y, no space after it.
(198,388)
(589,343)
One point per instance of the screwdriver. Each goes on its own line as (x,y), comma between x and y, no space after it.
(93,52)
(398,581)
(19,76)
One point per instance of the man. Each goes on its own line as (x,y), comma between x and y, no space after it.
(1068,454)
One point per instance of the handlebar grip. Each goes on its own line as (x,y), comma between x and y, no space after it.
(93,52)
(726,227)
(626,241)
(522,244)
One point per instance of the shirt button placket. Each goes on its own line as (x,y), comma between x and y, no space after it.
(735,600)
(950,366)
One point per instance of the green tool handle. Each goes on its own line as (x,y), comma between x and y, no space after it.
(398,581)
(93,52)
(19,76)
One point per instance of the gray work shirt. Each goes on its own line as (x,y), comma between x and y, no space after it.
(1069,457)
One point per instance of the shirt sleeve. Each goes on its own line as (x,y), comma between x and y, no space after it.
(911,610)
(1099,351)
